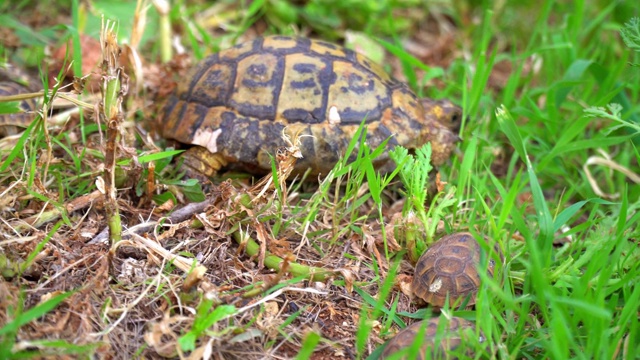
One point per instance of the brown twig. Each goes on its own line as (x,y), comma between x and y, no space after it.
(114,88)
(79,203)
(178,216)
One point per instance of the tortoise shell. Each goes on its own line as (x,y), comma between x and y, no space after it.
(238,104)
(450,266)
(9,123)
(453,336)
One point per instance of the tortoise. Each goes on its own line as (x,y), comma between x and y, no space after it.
(450,267)
(9,123)
(458,331)
(235,107)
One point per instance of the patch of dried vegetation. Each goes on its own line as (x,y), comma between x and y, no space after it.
(141,294)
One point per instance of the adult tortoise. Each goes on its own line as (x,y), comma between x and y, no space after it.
(450,268)
(454,335)
(235,106)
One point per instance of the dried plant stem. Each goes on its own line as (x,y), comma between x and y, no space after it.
(40,219)
(113,90)
(69,96)
(178,216)
(163,7)
(111,203)
(47,137)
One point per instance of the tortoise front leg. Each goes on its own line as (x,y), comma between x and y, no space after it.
(203,161)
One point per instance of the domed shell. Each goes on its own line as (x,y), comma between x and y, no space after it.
(454,336)
(239,102)
(450,266)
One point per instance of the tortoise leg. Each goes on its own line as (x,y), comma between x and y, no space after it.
(202,161)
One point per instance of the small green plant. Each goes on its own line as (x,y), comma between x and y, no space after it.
(36,348)
(419,224)
(207,315)
(631,35)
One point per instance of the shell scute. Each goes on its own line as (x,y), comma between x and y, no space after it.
(357,95)
(239,51)
(326,48)
(304,82)
(449,266)
(257,86)
(213,87)
(284,44)
(460,253)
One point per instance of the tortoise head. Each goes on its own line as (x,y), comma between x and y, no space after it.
(444,112)
(442,119)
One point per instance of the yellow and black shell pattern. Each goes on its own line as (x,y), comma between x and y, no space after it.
(239,102)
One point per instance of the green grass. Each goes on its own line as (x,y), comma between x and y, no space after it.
(572,299)
(519,179)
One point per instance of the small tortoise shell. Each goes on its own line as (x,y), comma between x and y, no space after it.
(450,266)
(454,336)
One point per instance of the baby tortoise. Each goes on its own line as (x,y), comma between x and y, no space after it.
(235,106)
(450,267)
(458,332)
